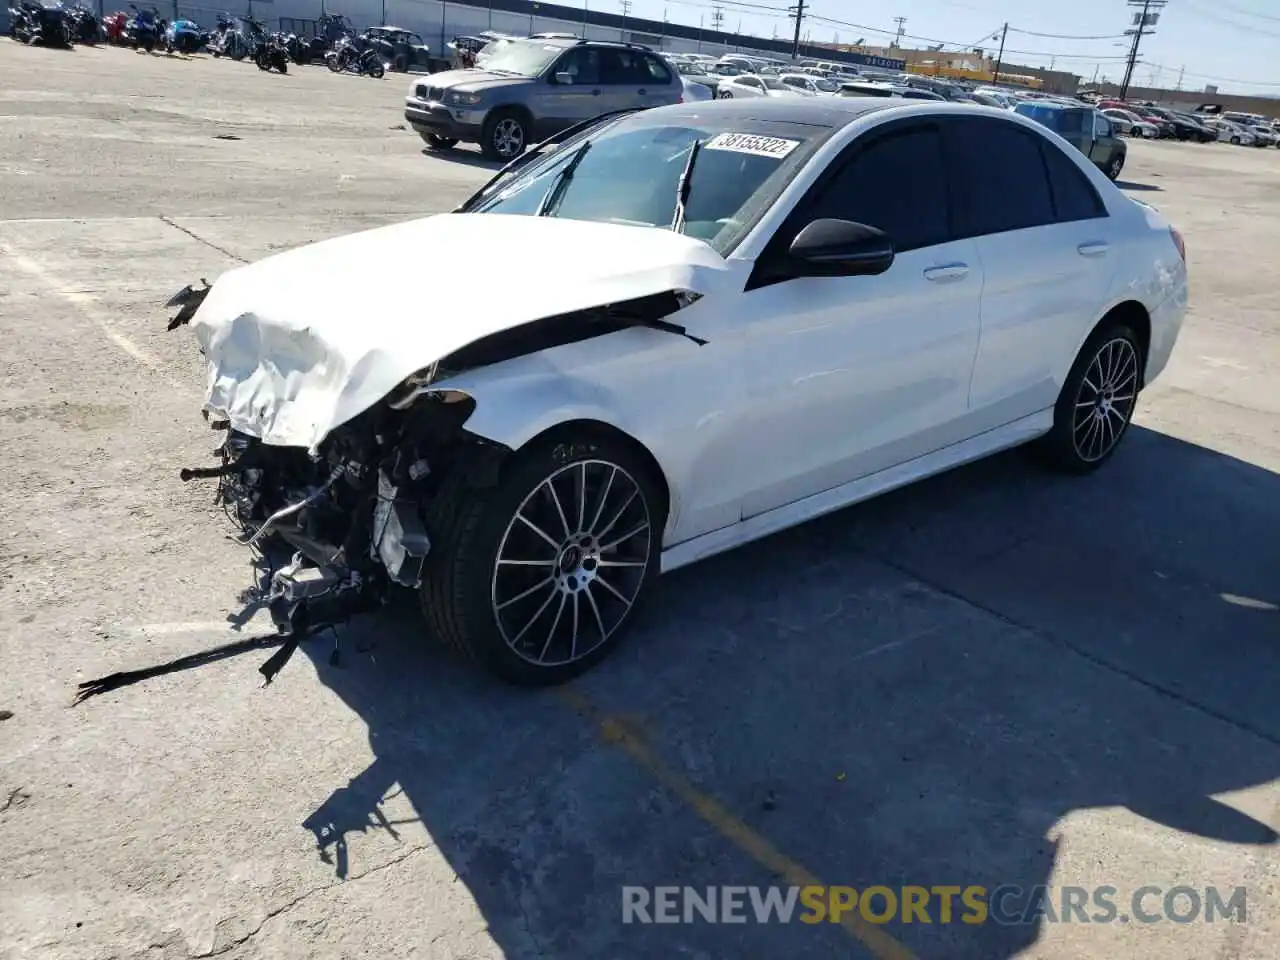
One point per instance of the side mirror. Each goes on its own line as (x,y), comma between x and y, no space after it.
(840,248)
(565,79)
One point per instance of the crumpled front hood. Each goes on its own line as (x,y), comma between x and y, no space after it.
(301,342)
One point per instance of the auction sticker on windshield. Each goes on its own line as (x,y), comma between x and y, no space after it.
(753,144)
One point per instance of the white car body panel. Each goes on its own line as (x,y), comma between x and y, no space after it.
(809,394)
(301,342)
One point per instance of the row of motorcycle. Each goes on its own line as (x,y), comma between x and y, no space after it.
(55,23)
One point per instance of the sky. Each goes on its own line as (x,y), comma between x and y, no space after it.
(1230,44)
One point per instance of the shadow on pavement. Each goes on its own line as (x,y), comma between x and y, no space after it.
(1138,187)
(914,691)
(464,156)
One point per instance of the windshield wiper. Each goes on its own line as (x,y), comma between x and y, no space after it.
(552,197)
(682,188)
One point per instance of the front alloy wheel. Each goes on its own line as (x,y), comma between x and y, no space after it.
(571,563)
(538,576)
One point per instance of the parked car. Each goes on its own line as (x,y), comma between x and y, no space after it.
(1181,128)
(695,92)
(529,89)
(808,85)
(889,91)
(1262,136)
(754,85)
(1129,124)
(731,318)
(1203,133)
(1229,133)
(693,71)
(1085,128)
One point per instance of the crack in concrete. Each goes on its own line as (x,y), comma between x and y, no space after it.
(199,239)
(305,895)
(16,799)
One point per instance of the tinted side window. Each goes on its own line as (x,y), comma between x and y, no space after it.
(1073,195)
(657,70)
(1001,179)
(898,184)
(582,64)
(1101,126)
(621,67)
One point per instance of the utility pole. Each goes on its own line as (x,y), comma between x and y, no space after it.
(995,74)
(1147,16)
(717,18)
(626,9)
(902,25)
(798,13)
(1181,71)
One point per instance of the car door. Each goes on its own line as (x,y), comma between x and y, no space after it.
(1105,144)
(623,76)
(658,83)
(574,91)
(1041,231)
(848,376)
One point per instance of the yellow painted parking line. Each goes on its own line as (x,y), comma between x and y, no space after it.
(618,732)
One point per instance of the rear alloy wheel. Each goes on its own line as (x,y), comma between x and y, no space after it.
(1115,166)
(723,94)
(1097,401)
(537,577)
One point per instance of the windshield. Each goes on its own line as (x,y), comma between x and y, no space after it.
(632,170)
(522,57)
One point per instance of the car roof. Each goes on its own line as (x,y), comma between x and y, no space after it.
(833,112)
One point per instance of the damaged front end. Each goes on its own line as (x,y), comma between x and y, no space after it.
(339,527)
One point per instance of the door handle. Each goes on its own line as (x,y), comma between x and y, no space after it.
(1098,248)
(644,93)
(947,272)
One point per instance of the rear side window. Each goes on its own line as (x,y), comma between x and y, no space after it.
(658,72)
(1001,181)
(1074,197)
(897,184)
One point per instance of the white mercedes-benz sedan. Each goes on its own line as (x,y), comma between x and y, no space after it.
(662,335)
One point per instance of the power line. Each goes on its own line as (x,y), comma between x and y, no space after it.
(1223,21)
(1248,13)
(1068,36)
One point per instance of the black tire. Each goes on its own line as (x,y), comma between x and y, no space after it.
(1114,345)
(283,65)
(505,135)
(1114,167)
(400,64)
(470,526)
(377,71)
(436,142)
(1236,141)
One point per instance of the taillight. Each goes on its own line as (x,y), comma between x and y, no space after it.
(1179,243)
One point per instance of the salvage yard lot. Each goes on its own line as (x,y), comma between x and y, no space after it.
(997,677)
